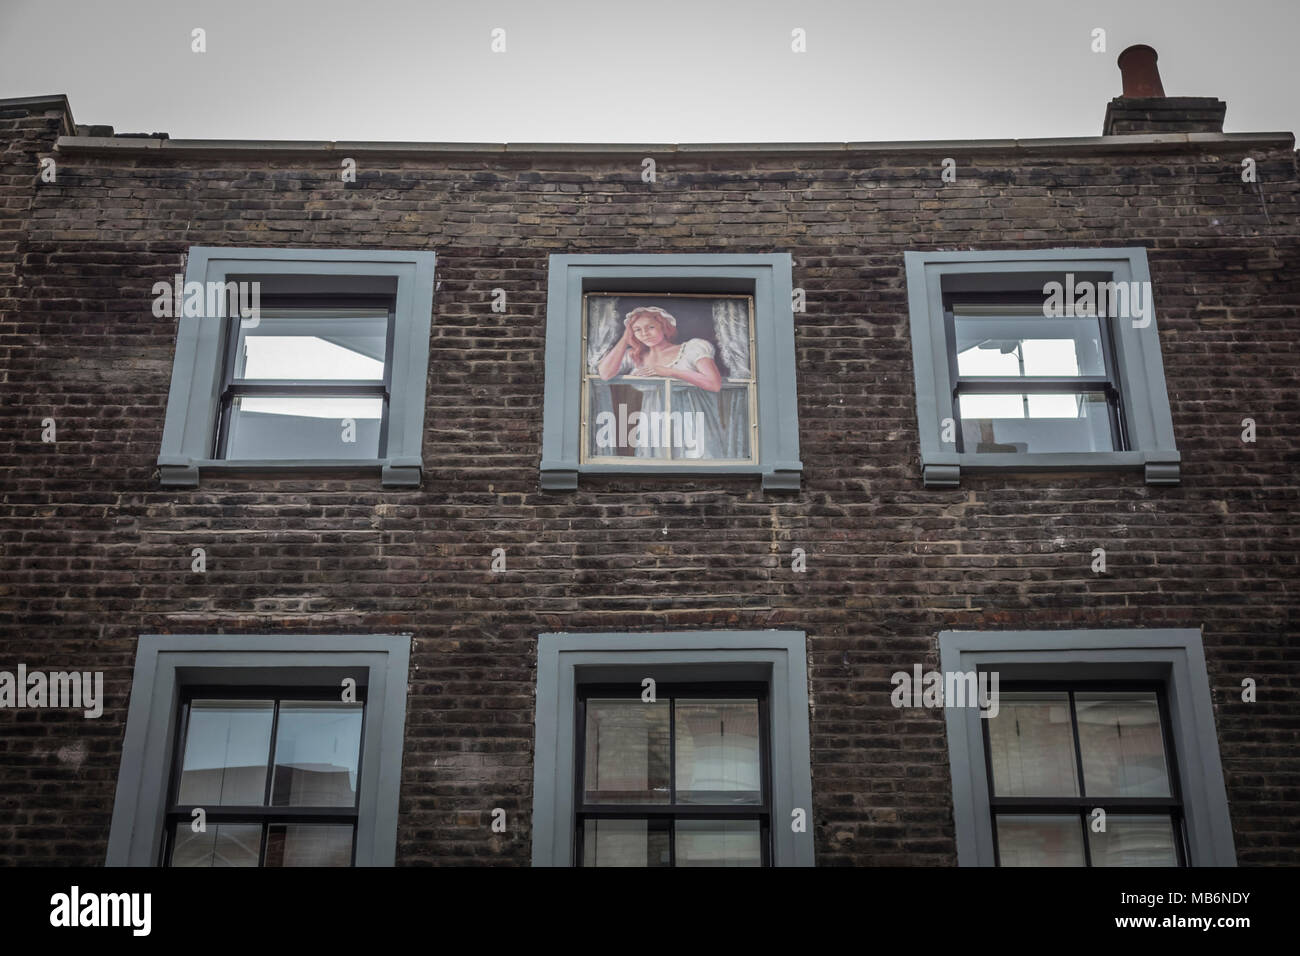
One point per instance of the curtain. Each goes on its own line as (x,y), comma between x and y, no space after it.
(604,328)
(731,326)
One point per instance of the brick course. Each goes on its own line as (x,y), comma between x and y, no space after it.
(93,552)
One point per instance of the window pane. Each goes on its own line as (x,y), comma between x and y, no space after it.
(719,843)
(227,744)
(302,426)
(1040,840)
(1032,746)
(1010,345)
(1036,423)
(301,844)
(611,428)
(317,747)
(221,844)
(624,843)
(313,344)
(709,426)
(1122,745)
(1134,840)
(718,751)
(626,752)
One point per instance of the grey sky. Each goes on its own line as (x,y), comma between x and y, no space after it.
(621,71)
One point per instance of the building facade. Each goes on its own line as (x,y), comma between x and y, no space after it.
(442,582)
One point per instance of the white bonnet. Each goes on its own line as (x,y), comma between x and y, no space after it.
(666,316)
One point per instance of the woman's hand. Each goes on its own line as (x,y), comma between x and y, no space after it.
(612,361)
(655,371)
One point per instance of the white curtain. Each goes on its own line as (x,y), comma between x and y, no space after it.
(731,325)
(604,328)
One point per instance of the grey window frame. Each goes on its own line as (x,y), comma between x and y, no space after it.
(193,402)
(777,658)
(1139,367)
(767,277)
(165,663)
(1172,656)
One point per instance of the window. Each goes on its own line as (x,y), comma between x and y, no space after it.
(1119,721)
(1023,383)
(274,776)
(1038,360)
(677,781)
(299,361)
(670,365)
(1083,774)
(714,771)
(291,745)
(308,382)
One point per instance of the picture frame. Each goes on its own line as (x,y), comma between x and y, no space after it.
(701,407)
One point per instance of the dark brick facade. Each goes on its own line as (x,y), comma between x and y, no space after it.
(95,552)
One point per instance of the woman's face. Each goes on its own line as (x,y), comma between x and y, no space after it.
(648,331)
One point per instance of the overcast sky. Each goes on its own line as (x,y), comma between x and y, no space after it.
(639,71)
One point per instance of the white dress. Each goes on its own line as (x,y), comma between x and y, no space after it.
(710,437)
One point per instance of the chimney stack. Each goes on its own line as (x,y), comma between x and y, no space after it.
(1144,108)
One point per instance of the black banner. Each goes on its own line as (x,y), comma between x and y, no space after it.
(213,906)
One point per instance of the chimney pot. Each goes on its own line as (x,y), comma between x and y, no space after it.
(1137,66)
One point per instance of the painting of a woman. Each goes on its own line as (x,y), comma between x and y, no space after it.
(649,349)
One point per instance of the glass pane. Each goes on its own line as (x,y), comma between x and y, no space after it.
(709,426)
(1040,840)
(302,426)
(624,843)
(1019,345)
(1036,423)
(1032,746)
(1134,840)
(318,344)
(718,751)
(317,750)
(302,844)
(627,752)
(1122,745)
(613,417)
(222,844)
(227,744)
(719,843)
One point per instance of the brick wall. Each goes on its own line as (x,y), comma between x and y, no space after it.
(94,552)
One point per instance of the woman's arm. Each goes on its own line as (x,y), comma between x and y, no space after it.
(705,375)
(612,361)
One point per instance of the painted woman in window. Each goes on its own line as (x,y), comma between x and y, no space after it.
(679,384)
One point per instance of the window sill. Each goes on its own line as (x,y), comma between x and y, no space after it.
(394,472)
(783,476)
(944,469)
